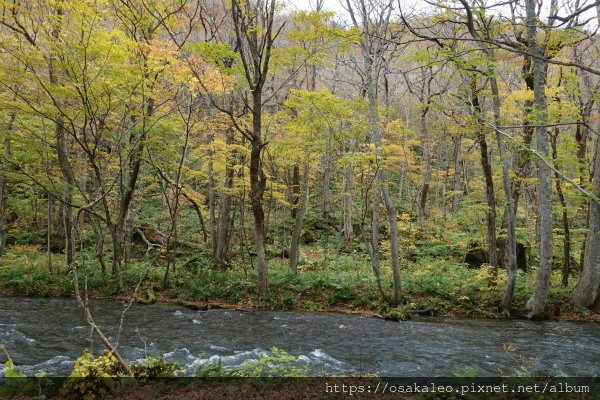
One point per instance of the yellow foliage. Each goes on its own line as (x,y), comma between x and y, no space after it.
(26,248)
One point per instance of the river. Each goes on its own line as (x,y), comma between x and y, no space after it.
(44,334)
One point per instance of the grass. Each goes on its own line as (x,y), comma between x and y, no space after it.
(344,283)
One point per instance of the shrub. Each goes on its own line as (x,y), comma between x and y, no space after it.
(276,364)
(156,367)
(213,369)
(93,378)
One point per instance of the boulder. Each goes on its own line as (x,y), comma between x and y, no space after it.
(477,255)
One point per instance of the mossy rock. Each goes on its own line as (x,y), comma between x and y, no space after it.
(308,237)
(396,315)
(149,298)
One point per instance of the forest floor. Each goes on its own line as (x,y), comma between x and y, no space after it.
(432,286)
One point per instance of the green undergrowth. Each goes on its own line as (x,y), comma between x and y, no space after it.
(344,282)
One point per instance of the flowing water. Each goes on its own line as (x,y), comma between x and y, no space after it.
(49,334)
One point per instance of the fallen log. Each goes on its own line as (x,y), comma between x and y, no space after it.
(154,239)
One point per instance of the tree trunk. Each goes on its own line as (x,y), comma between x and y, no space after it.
(490,194)
(422,205)
(212,212)
(62,149)
(224,226)
(128,234)
(4,223)
(523,159)
(295,190)
(381,190)
(565,216)
(375,256)
(348,199)
(326,183)
(49,233)
(587,291)
(67,193)
(258,181)
(456,187)
(299,220)
(596,306)
(117,255)
(537,303)
(491,203)
(510,253)
(393,226)
(581,138)
(121,229)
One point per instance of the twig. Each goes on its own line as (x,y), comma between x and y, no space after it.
(85,306)
(142,276)
(149,244)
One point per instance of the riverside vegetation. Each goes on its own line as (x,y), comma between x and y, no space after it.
(96,377)
(437,282)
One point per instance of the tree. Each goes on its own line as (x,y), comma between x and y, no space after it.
(255,32)
(537,302)
(373,20)
(481,29)
(587,291)
(312,121)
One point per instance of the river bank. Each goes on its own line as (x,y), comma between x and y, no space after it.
(432,287)
(253,305)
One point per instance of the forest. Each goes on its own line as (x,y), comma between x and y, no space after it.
(210,139)
(376,157)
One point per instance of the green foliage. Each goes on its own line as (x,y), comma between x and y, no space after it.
(94,378)
(219,54)
(148,298)
(23,272)
(16,381)
(156,367)
(438,283)
(104,366)
(277,363)
(465,372)
(212,369)
(288,301)
(339,296)
(108,366)
(396,314)
(11,371)
(583,312)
